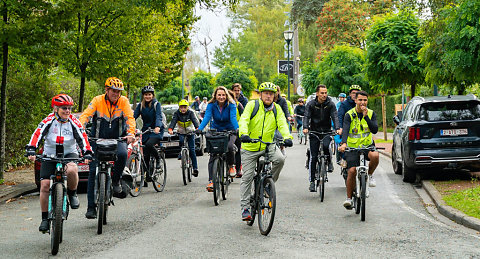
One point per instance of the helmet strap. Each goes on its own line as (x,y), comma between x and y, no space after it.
(58,118)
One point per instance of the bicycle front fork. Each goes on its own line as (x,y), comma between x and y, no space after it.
(361,172)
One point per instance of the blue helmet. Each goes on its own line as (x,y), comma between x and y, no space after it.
(342,95)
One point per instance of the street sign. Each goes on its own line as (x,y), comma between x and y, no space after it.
(284,67)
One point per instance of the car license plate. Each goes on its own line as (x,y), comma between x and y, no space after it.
(453,132)
(83,168)
(171,144)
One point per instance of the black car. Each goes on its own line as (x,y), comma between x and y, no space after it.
(437,132)
(173,145)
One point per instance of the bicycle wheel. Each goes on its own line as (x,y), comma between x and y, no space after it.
(190,168)
(225,181)
(133,164)
(184,166)
(101,202)
(321,180)
(217,178)
(363,196)
(159,176)
(266,208)
(253,201)
(56,224)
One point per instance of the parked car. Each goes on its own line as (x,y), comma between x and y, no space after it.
(83,168)
(436,132)
(173,145)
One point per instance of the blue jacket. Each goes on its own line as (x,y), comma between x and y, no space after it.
(345,106)
(225,120)
(151,118)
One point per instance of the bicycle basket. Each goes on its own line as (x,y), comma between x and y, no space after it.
(106,150)
(217,144)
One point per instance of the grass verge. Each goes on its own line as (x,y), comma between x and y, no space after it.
(466,201)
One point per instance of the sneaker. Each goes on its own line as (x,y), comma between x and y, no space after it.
(74,202)
(240,173)
(246,216)
(232,171)
(210,186)
(312,187)
(91,213)
(348,204)
(330,167)
(195,172)
(371,181)
(44,226)
(118,191)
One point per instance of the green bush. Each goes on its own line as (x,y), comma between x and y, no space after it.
(201,84)
(375,103)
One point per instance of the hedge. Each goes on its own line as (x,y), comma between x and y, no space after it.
(375,103)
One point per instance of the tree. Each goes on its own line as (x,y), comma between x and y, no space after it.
(392,47)
(172,93)
(345,22)
(201,84)
(342,67)
(310,79)
(451,54)
(280,80)
(307,11)
(237,73)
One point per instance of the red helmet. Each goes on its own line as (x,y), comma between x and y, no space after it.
(62,100)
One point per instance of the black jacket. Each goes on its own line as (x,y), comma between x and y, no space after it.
(283,103)
(319,116)
(344,107)
(242,99)
(300,110)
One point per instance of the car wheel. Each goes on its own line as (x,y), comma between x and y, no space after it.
(408,174)
(397,167)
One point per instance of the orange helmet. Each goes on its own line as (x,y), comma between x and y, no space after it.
(114,83)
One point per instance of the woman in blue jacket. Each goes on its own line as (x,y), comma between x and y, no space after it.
(222,111)
(151,112)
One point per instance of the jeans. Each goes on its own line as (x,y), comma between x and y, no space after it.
(191,148)
(314,150)
(249,159)
(117,170)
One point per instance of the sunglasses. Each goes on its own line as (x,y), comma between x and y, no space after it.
(66,108)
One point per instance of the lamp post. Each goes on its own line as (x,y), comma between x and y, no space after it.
(288,36)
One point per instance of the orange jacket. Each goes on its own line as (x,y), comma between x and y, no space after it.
(109,120)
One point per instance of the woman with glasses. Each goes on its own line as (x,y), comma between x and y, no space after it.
(59,128)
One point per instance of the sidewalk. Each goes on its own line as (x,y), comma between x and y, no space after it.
(447,211)
(16,184)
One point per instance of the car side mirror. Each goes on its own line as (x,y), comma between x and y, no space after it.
(396,119)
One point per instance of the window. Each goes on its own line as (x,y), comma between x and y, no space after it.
(450,111)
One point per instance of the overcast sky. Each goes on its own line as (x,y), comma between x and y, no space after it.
(214,24)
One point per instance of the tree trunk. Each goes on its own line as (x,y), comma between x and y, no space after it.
(384,118)
(461,88)
(83,69)
(3,97)
(412,89)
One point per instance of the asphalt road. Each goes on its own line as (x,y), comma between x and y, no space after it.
(183,222)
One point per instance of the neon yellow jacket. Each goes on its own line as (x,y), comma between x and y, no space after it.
(290,107)
(263,124)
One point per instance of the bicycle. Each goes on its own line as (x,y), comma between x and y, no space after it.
(361,191)
(217,146)
(106,154)
(187,166)
(301,136)
(263,196)
(321,176)
(138,169)
(58,204)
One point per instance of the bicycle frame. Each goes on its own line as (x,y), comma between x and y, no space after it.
(361,170)
(104,167)
(320,147)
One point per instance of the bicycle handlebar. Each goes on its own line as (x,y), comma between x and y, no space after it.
(65,160)
(372,148)
(256,140)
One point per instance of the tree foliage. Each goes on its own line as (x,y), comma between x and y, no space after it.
(310,79)
(280,80)
(451,54)
(306,11)
(342,67)
(237,73)
(201,84)
(172,93)
(392,52)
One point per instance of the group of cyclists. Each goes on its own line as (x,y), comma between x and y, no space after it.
(267,118)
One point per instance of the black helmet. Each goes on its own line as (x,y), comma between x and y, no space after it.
(148,89)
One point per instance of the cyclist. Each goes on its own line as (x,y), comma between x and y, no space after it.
(359,124)
(299,110)
(319,115)
(259,120)
(187,122)
(237,89)
(196,104)
(238,143)
(59,128)
(221,109)
(348,104)
(203,107)
(151,111)
(338,138)
(112,117)
(290,110)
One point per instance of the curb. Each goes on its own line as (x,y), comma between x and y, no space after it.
(449,212)
(17,191)
(385,153)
